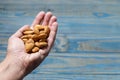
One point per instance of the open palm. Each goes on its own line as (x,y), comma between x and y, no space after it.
(16,49)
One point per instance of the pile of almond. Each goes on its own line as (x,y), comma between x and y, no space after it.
(36,38)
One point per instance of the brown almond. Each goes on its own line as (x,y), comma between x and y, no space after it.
(28,32)
(37,29)
(42,36)
(26,36)
(29,46)
(25,40)
(30,41)
(35,49)
(35,37)
(41,44)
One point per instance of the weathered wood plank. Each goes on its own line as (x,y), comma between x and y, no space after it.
(72,77)
(78,66)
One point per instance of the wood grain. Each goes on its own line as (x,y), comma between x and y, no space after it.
(88,40)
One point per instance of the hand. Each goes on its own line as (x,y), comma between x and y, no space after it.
(21,62)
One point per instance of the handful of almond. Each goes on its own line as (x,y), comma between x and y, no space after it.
(35,39)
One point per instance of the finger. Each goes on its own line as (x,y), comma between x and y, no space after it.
(19,32)
(38,18)
(52,35)
(47,18)
(53,19)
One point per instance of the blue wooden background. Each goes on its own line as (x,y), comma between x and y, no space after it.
(88,40)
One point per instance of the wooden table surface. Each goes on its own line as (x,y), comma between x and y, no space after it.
(88,40)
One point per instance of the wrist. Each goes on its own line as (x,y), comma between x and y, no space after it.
(9,71)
